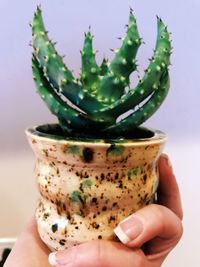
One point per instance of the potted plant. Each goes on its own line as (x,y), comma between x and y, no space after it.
(97,165)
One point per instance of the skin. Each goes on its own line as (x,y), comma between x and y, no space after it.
(162,229)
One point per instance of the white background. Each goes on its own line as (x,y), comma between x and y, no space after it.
(21,107)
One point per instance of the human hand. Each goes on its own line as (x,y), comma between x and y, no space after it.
(159,228)
(29,250)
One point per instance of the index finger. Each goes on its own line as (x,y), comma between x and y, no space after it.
(168,190)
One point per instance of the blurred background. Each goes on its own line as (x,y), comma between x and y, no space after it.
(21,107)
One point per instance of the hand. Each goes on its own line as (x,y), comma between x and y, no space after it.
(29,250)
(156,229)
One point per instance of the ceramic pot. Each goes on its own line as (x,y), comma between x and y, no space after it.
(88,186)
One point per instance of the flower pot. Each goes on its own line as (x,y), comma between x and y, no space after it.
(88,186)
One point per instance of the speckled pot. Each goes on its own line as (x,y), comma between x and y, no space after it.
(87,187)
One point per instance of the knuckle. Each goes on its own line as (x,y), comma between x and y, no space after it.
(164,215)
(159,211)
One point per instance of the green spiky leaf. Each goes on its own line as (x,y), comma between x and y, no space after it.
(96,103)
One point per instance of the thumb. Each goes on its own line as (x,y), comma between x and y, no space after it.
(154,224)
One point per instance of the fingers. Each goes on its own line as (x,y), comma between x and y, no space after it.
(153,221)
(159,225)
(168,191)
(98,253)
(155,228)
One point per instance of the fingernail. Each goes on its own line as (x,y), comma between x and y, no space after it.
(52,259)
(129,229)
(63,258)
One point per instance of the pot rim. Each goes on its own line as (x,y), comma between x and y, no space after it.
(33,132)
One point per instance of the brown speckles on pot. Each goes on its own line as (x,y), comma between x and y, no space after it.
(62,242)
(95,225)
(45,152)
(87,154)
(86,189)
(144,178)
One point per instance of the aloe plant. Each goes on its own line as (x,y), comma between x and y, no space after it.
(95,101)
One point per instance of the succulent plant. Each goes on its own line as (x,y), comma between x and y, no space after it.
(100,102)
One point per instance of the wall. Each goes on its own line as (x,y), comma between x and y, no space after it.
(21,107)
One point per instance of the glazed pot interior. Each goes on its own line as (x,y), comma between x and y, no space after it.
(54,131)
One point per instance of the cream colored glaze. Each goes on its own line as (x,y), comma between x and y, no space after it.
(86,189)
